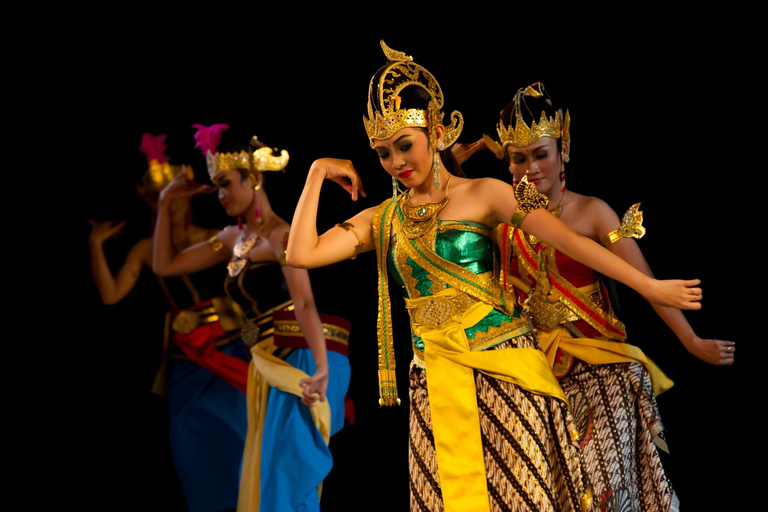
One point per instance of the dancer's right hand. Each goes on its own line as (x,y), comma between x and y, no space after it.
(104,230)
(182,187)
(340,171)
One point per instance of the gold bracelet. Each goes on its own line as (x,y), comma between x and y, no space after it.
(528,199)
(350,227)
(215,243)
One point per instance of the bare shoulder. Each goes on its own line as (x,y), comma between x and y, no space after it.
(228,236)
(276,231)
(142,251)
(595,216)
(488,185)
(591,205)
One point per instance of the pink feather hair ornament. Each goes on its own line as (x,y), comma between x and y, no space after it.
(153,147)
(207,138)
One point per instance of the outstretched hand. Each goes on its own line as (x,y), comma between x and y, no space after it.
(314,388)
(676,293)
(717,352)
(341,172)
(102,231)
(462,151)
(182,187)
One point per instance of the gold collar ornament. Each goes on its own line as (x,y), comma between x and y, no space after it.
(420,219)
(243,245)
(521,135)
(385,117)
(262,159)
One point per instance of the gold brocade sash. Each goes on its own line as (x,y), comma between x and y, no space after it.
(596,351)
(267,371)
(453,398)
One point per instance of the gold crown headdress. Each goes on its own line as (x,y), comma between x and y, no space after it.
(159,172)
(520,134)
(262,159)
(385,117)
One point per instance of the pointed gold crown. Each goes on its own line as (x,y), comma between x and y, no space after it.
(521,135)
(263,159)
(386,117)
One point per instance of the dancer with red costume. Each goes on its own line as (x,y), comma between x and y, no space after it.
(611,385)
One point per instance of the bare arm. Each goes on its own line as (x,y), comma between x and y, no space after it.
(308,250)
(308,318)
(681,294)
(113,288)
(717,352)
(165,260)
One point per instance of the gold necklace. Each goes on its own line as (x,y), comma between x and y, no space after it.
(245,242)
(421,218)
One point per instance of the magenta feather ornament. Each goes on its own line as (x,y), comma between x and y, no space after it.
(153,147)
(207,138)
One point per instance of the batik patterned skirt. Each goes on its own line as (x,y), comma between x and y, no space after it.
(617,419)
(531,462)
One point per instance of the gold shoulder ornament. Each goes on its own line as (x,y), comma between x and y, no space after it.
(631,226)
(528,199)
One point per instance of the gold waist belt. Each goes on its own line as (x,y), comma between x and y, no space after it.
(435,310)
(218,309)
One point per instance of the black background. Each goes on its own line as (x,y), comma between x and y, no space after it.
(662,112)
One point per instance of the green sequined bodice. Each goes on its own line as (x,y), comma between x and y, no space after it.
(469,245)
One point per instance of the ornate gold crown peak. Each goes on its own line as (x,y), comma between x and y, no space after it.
(387,118)
(394,55)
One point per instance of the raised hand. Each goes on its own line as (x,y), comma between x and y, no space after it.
(462,151)
(182,187)
(102,231)
(341,172)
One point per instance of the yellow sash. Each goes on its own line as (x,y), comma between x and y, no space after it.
(453,399)
(595,351)
(265,371)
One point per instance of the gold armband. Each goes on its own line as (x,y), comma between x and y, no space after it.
(350,227)
(631,226)
(215,243)
(528,199)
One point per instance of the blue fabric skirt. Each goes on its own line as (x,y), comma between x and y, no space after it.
(208,423)
(294,457)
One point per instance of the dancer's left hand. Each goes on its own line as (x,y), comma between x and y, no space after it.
(314,387)
(462,150)
(717,352)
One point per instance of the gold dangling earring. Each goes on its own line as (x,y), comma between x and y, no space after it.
(436,165)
